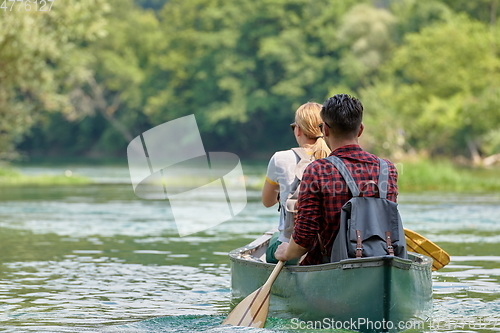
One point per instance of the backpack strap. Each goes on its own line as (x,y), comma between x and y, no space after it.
(304,160)
(359,244)
(339,164)
(390,248)
(383,178)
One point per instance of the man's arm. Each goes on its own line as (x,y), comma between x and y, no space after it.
(306,220)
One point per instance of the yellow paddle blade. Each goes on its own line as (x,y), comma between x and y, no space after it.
(252,311)
(419,244)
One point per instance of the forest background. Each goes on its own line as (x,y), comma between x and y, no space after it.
(85,78)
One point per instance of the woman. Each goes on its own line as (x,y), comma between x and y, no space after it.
(280,177)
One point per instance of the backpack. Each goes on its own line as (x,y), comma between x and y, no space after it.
(289,208)
(369,226)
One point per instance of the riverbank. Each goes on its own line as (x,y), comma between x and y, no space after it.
(414,176)
(12,177)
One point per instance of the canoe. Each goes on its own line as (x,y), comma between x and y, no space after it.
(377,294)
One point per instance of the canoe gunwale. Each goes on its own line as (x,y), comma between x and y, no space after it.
(243,256)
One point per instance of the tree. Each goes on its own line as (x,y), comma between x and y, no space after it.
(486,11)
(367,39)
(414,15)
(242,67)
(119,71)
(41,59)
(439,80)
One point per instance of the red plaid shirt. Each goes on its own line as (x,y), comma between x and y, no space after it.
(323,192)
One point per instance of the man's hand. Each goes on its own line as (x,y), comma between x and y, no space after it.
(281,251)
(289,251)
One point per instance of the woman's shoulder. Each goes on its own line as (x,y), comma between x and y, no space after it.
(284,153)
(283,161)
(284,156)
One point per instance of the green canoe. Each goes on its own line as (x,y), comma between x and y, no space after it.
(375,294)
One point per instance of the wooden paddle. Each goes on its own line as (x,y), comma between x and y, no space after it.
(419,244)
(252,311)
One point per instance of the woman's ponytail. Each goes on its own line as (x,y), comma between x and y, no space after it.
(308,119)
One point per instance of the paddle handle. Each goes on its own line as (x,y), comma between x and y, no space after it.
(274,274)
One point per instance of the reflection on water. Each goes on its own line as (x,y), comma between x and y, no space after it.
(97,258)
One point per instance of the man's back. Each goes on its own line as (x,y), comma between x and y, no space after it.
(323,192)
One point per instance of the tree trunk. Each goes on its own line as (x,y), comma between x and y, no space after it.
(476,158)
(107,110)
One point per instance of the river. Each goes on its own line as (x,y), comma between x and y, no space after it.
(96,258)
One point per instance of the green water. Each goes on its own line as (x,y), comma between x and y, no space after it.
(95,258)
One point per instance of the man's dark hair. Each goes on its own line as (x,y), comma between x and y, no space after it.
(343,114)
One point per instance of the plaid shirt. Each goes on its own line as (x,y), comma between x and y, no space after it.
(323,192)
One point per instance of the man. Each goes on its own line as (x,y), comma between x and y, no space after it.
(323,190)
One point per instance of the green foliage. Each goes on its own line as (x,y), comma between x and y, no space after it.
(366,38)
(385,128)
(121,75)
(244,63)
(111,89)
(440,79)
(483,10)
(41,58)
(491,142)
(89,76)
(414,15)
(454,57)
(120,59)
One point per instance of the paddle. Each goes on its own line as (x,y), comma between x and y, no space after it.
(252,311)
(419,244)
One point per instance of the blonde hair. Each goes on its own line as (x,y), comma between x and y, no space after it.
(308,119)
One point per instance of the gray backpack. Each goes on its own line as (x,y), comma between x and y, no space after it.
(369,226)
(289,208)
